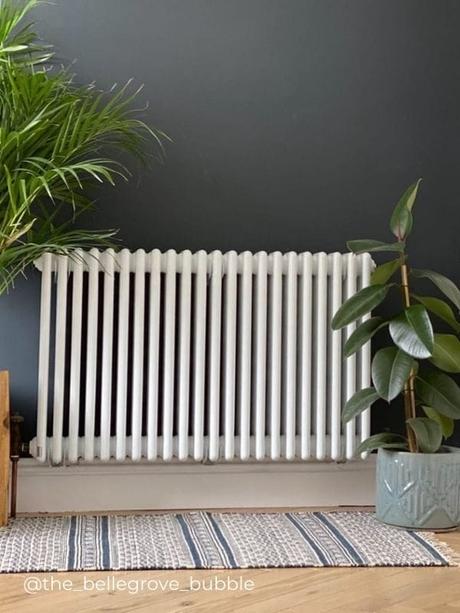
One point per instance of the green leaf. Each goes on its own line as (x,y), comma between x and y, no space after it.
(401,219)
(359,402)
(362,334)
(412,332)
(13,48)
(441,309)
(384,272)
(391,368)
(446,423)
(435,389)
(358,305)
(427,432)
(446,352)
(53,132)
(385,440)
(445,285)
(370,246)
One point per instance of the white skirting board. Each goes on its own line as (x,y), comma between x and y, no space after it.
(105,487)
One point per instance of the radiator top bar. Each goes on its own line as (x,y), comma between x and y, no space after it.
(131,258)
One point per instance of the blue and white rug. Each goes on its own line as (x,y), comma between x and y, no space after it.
(213,540)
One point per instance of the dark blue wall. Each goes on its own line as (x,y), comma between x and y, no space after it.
(296,125)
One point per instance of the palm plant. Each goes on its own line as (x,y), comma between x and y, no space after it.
(416,363)
(57,139)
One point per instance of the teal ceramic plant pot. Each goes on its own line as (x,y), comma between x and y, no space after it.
(419,490)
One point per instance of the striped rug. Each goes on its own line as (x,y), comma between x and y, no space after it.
(213,540)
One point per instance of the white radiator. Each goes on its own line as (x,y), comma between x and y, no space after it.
(180,356)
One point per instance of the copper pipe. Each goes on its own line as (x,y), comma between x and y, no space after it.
(14,485)
(15,454)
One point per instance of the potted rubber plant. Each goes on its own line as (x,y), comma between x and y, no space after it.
(418,475)
(58,140)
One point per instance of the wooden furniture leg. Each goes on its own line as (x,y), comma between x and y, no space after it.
(4,445)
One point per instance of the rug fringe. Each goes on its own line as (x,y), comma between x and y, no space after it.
(446,550)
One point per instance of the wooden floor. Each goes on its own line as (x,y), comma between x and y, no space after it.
(342,590)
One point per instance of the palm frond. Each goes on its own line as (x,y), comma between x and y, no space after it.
(57,139)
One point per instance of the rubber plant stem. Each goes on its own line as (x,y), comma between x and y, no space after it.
(409,392)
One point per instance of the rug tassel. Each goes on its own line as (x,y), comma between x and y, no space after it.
(447,552)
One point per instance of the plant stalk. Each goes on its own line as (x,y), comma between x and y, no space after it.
(409,391)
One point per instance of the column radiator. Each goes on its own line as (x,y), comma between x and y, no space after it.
(194,357)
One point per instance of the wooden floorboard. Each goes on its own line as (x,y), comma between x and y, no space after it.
(340,590)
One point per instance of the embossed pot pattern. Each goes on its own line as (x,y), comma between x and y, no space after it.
(418,490)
